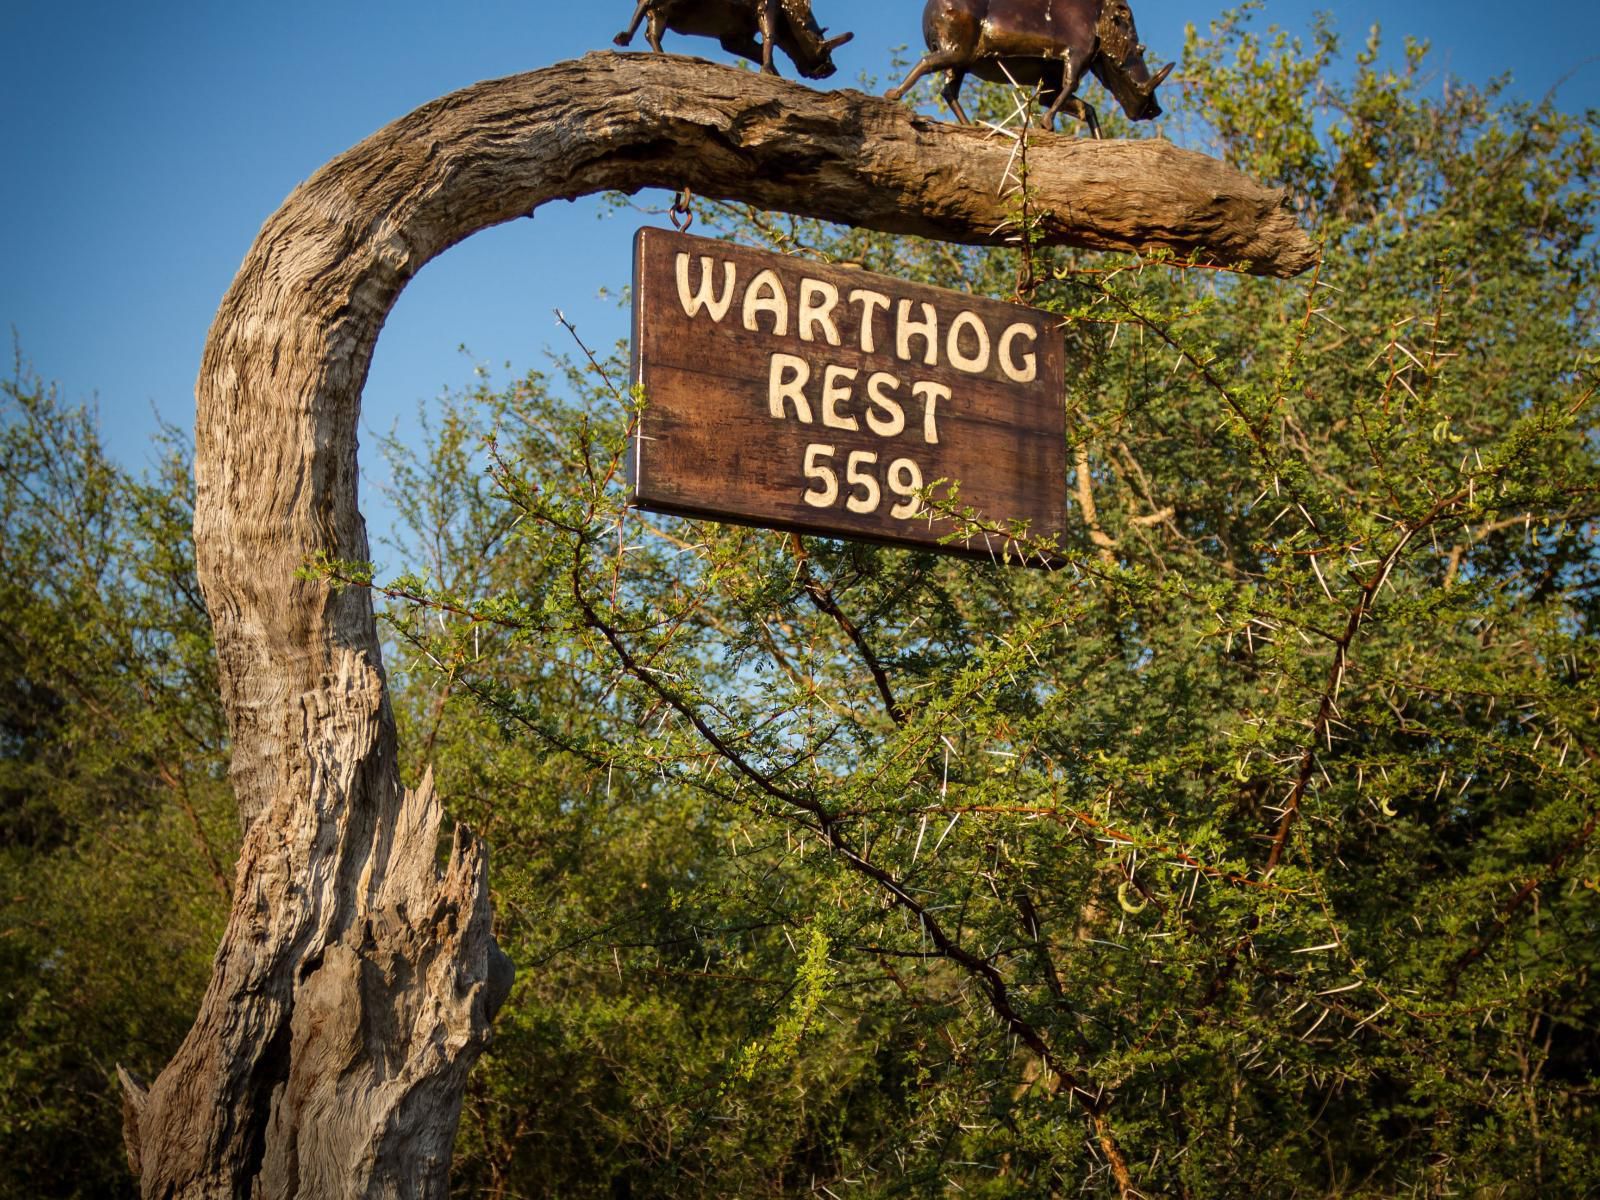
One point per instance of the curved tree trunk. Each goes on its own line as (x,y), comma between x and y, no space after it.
(355,984)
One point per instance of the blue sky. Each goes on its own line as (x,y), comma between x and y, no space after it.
(144,145)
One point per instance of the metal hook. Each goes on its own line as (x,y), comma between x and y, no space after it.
(682,215)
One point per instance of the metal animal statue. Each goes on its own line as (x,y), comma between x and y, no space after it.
(1051,43)
(786,24)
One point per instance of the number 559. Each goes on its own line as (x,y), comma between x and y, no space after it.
(904,479)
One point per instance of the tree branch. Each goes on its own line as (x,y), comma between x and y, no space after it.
(822,597)
(354,979)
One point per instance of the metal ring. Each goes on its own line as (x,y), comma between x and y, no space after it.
(682,215)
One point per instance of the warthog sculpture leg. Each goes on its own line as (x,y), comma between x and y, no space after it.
(954,61)
(951,94)
(1057,93)
(1066,98)
(626,36)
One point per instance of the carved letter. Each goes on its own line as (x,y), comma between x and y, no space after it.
(832,393)
(931,394)
(702,298)
(1029,370)
(870,303)
(927,329)
(978,363)
(817,302)
(878,387)
(787,381)
(765,294)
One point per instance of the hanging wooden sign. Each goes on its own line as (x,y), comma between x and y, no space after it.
(821,399)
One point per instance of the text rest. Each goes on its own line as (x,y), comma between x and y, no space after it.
(884,413)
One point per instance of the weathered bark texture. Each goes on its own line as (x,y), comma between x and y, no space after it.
(356,982)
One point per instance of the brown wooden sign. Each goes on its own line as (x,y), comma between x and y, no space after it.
(819,399)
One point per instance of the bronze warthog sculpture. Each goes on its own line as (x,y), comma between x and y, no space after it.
(787,24)
(1049,43)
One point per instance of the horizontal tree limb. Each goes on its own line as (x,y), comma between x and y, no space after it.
(860,160)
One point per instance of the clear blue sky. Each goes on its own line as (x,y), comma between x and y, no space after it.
(144,145)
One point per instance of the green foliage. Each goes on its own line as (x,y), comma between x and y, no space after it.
(116,823)
(811,986)
(1253,851)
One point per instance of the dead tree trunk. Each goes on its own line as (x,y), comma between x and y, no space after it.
(355,984)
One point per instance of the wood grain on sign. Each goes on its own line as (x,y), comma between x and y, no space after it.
(820,399)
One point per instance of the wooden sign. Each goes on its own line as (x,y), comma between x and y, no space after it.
(820,399)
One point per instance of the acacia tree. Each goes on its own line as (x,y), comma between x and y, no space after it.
(1352,962)
(117,831)
(1253,851)
(355,984)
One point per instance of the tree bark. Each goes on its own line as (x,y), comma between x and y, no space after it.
(356,982)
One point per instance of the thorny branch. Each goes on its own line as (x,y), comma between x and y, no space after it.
(830,827)
(822,596)
(1508,911)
